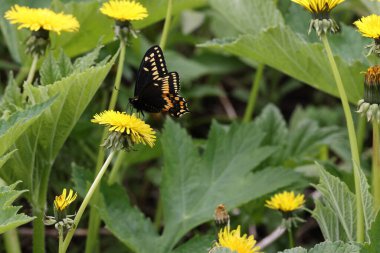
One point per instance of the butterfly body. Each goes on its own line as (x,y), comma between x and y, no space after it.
(157,90)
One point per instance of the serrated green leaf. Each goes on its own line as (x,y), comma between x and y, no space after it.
(40,144)
(9,217)
(194,184)
(341,201)
(327,247)
(289,52)
(64,63)
(14,126)
(126,222)
(86,61)
(49,71)
(374,235)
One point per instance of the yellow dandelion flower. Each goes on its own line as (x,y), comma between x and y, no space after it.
(318,6)
(124,10)
(369,26)
(41,18)
(233,241)
(62,201)
(135,128)
(286,201)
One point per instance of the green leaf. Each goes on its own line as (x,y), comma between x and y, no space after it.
(289,52)
(126,222)
(64,64)
(50,71)
(222,250)
(336,214)
(5,158)
(194,184)
(374,235)
(17,123)
(40,144)
(196,244)
(327,247)
(9,217)
(86,61)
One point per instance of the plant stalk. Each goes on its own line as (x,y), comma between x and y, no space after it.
(32,69)
(361,132)
(94,219)
(86,200)
(114,174)
(291,237)
(253,94)
(60,235)
(166,29)
(352,139)
(38,232)
(12,242)
(376,163)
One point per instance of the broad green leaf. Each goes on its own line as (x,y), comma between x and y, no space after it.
(194,184)
(336,214)
(301,142)
(289,52)
(241,14)
(5,158)
(9,216)
(340,201)
(126,222)
(17,123)
(196,244)
(327,247)
(374,235)
(40,144)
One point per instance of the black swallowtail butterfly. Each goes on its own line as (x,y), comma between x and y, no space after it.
(157,90)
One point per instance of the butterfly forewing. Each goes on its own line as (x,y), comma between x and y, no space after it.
(151,68)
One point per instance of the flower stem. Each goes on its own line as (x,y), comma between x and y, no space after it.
(165,31)
(32,69)
(12,242)
(94,219)
(114,174)
(119,73)
(376,164)
(352,139)
(361,132)
(38,232)
(253,95)
(60,243)
(86,200)
(291,237)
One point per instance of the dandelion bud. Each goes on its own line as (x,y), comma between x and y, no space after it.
(369,105)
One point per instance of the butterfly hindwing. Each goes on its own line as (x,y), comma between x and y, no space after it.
(151,68)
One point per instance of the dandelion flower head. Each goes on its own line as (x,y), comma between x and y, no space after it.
(137,129)
(41,18)
(318,6)
(124,10)
(369,26)
(62,201)
(235,242)
(286,201)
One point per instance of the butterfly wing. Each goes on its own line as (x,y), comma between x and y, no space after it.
(174,103)
(152,67)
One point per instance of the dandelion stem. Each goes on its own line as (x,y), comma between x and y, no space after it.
(352,139)
(165,31)
(253,95)
(291,237)
(119,73)
(60,243)
(94,219)
(114,174)
(361,132)
(86,200)
(376,163)
(32,69)
(12,242)
(38,231)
